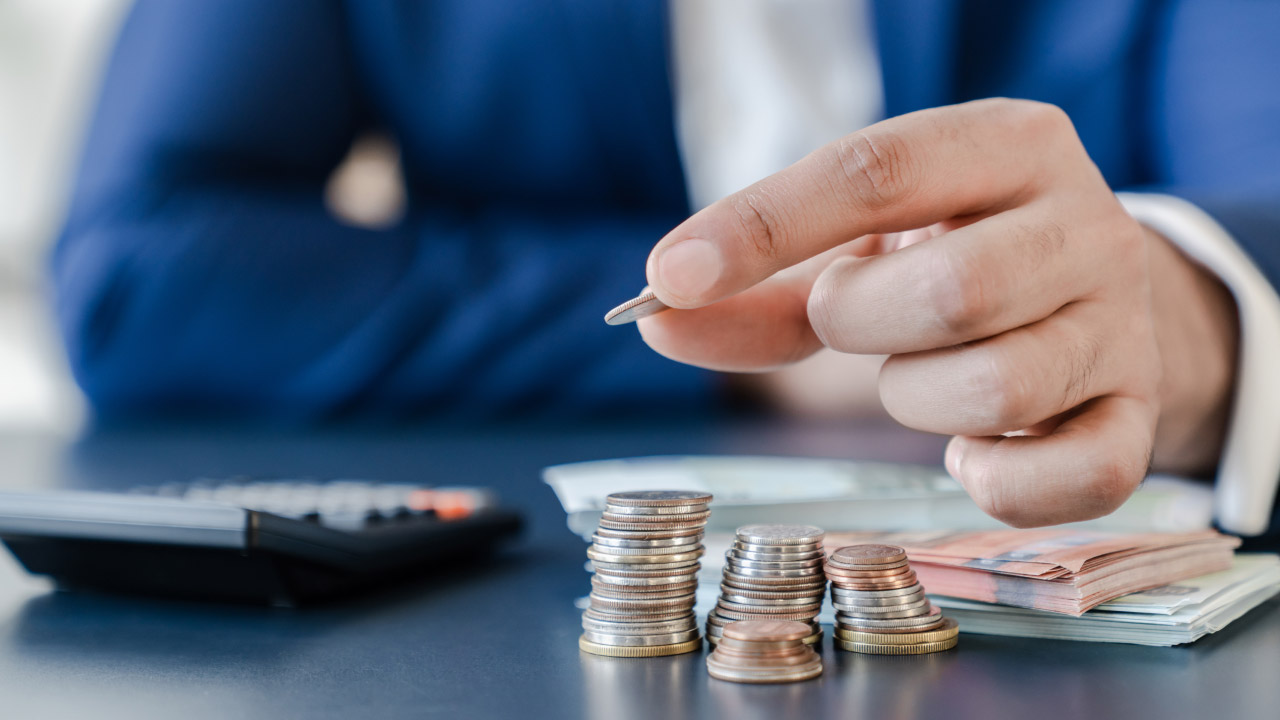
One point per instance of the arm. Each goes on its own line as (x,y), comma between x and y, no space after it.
(199,269)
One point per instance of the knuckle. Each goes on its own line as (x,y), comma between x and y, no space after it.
(824,309)
(1006,394)
(1081,363)
(957,293)
(876,166)
(993,493)
(759,225)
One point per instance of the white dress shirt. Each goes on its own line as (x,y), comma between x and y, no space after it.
(761,83)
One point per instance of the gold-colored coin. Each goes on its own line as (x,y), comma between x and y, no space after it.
(879,649)
(948,630)
(586,645)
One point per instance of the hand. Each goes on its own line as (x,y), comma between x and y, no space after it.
(980,248)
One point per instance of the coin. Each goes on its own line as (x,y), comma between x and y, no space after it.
(804,549)
(868,554)
(916,610)
(768,602)
(740,554)
(654,513)
(916,649)
(655,520)
(946,631)
(641,306)
(631,652)
(780,534)
(633,543)
(784,594)
(770,609)
(615,524)
(694,530)
(631,568)
(839,592)
(603,603)
(770,565)
(887,574)
(666,582)
(640,640)
(929,621)
(667,559)
(649,551)
(625,592)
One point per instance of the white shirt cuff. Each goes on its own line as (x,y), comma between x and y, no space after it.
(1249,470)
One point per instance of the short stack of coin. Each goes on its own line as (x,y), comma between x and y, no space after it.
(772,572)
(764,651)
(644,556)
(881,608)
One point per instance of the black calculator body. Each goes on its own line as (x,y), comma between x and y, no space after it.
(280,542)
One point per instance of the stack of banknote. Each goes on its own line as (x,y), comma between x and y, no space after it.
(1056,569)
(1173,614)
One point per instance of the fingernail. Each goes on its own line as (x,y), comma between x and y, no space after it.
(689,268)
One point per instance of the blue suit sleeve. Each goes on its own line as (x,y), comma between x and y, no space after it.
(199,269)
(1214,129)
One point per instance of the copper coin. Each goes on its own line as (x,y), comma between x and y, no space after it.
(869,555)
(751,661)
(767,630)
(762,645)
(658,498)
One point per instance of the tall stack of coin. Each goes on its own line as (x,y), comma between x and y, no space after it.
(764,651)
(644,555)
(881,608)
(772,572)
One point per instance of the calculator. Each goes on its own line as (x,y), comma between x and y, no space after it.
(273,541)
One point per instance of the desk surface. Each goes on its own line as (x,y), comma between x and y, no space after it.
(502,640)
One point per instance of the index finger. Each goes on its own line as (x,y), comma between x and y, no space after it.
(903,173)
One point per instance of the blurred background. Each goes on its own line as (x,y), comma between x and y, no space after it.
(51,55)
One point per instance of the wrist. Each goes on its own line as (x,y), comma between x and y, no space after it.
(1198,332)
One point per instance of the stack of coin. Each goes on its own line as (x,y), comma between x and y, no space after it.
(881,608)
(645,557)
(772,572)
(764,651)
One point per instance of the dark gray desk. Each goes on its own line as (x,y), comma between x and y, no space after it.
(501,642)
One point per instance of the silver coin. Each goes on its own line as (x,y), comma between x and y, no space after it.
(817,583)
(694,565)
(681,579)
(895,602)
(741,554)
(640,640)
(771,565)
(767,610)
(839,592)
(806,548)
(642,544)
(905,611)
(650,533)
(638,627)
(655,511)
(641,306)
(649,559)
(650,551)
(803,572)
(781,534)
(919,621)
(789,602)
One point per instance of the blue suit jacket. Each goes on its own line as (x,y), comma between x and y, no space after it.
(199,269)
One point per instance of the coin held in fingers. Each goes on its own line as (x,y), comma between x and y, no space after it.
(642,306)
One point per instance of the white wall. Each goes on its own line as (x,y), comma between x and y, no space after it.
(51,55)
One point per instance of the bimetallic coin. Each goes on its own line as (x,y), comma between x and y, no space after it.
(781,534)
(653,651)
(634,309)
(946,631)
(868,555)
(640,640)
(917,649)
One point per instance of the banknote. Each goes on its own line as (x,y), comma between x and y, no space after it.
(1063,570)
(1172,614)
